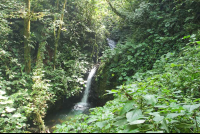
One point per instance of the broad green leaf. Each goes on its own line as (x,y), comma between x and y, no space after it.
(196,100)
(173,115)
(151,99)
(133,115)
(190,108)
(120,122)
(158,118)
(198,42)
(91,120)
(137,122)
(101,124)
(128,106)
(185,37)
(165,126)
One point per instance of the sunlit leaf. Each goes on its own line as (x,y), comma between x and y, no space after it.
(133,115)
(137,122)
(128,106)
(101,124)
(151,99)
(190,108)
(8,109)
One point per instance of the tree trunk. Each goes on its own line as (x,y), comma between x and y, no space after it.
(40,55)
(27,48)
(57,37)
(40,121)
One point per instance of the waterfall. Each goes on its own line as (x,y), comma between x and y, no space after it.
(111,43)
(89,80)
(83,104)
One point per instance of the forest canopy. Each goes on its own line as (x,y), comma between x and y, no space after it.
(152,75)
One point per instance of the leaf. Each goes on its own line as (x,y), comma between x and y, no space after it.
(128,106)
(173,115)
(137,122)
(151,99)
(133,115)
(8,109)
(196,100)
(155,114)
(164,124)
(101,124)
(91,120)
(112,91)
(185,37)
(130,57)
(17,115)
(120,122)
(198,42)
(158,118)
(190,108)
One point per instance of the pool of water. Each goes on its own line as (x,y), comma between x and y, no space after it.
(65,114)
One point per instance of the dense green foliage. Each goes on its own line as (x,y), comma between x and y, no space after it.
(164,99)
(151,30)
(155,63)
(29,95)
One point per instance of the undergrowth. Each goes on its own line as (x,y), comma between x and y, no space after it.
(164,99)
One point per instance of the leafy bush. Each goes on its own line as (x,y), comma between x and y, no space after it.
(164,99)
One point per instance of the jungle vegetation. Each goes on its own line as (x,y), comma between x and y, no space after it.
(47,47)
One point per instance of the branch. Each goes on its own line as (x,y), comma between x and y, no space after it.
(115,10)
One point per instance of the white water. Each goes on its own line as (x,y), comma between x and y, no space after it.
(111,43)
(84,102)
(79,108)
(89,80)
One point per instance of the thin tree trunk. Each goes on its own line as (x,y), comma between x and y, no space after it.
(40,121)
(57,37)
(27,48)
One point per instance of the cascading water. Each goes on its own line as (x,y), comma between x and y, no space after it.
(84,102)
(111,43)
(79,108)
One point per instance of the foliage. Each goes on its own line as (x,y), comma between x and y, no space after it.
(149,30)
(164,99)
(11,117)
(145,30)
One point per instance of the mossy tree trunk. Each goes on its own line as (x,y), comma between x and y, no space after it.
(40,121)
(57,34)
(27,48)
